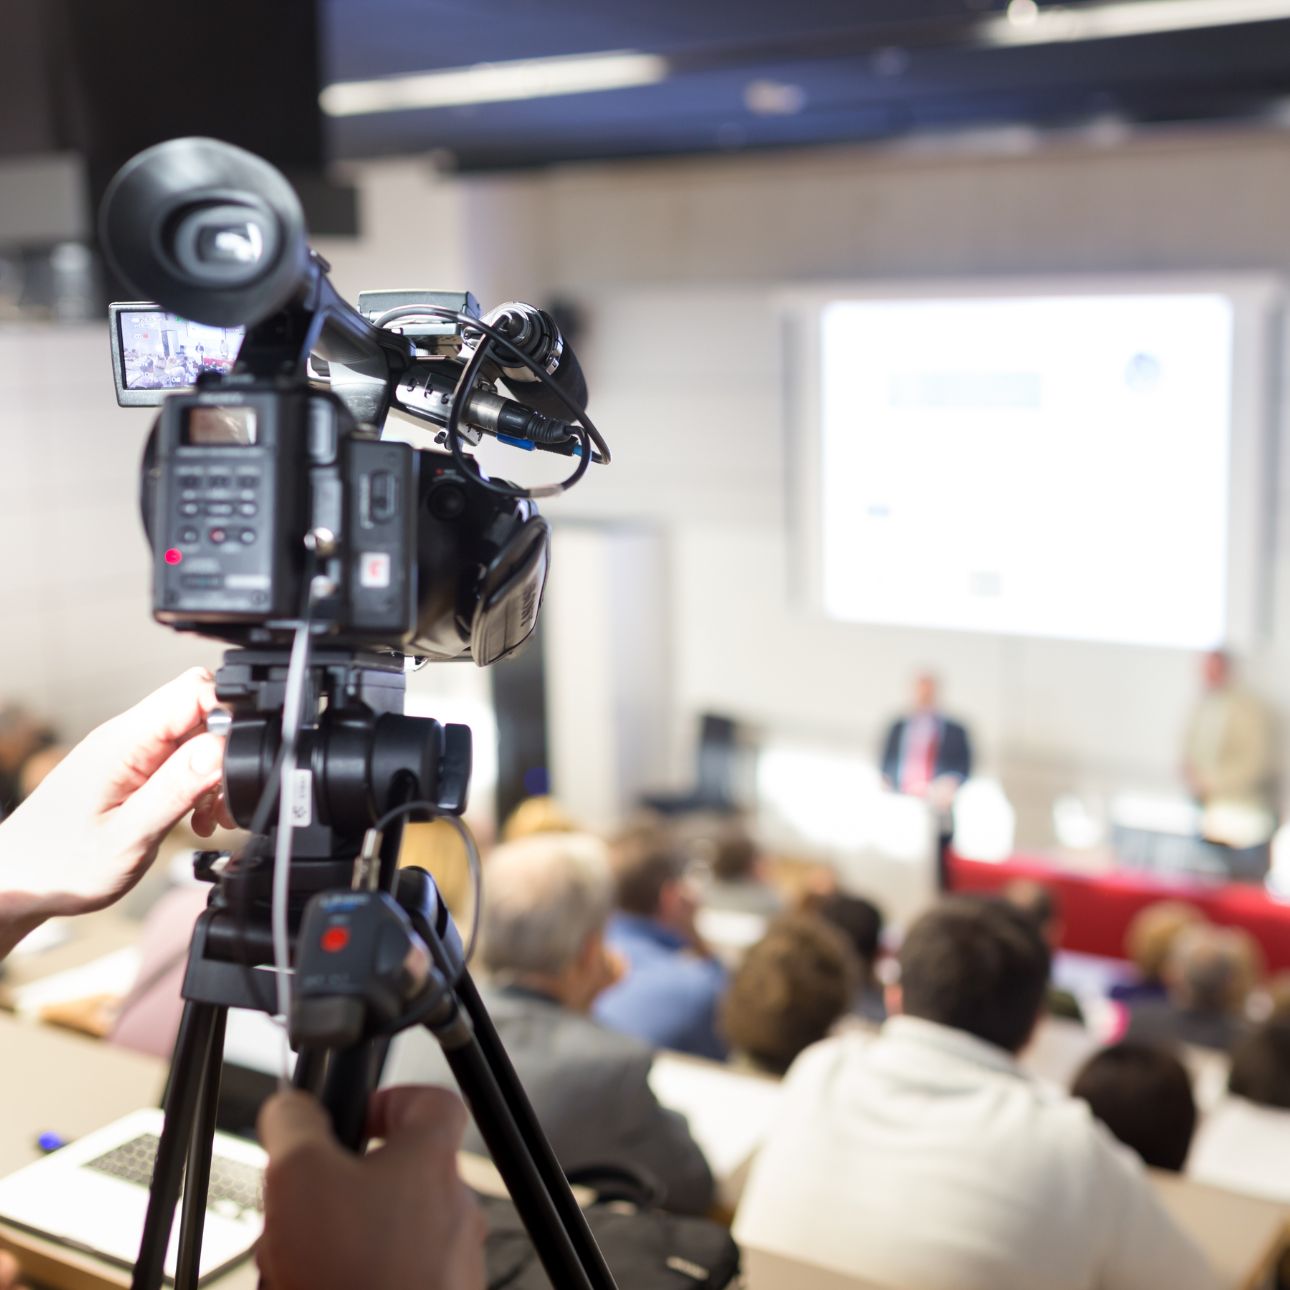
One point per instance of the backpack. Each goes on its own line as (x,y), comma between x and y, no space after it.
(645,1248)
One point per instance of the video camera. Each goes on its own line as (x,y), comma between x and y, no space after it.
(268,492)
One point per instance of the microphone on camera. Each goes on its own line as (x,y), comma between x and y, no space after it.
(536,335)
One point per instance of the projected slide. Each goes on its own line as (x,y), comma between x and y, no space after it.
(1037,466)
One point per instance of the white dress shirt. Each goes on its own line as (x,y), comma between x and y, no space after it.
(925,1159)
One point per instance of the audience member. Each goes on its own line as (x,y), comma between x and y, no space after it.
(32,772)
(147,1019)
(1143,1095)
(534,815)
(1276,991)
(437,847)
(1242,1140)
(926,1157)
(860,921)
(1042,905)
(1261,1064)
(670,994)
(1208,976)
(543,948)
(927,755)
(22,737)
(1147,943)
(788,992)
(735,880)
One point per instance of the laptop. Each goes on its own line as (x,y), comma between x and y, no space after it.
(92,1195)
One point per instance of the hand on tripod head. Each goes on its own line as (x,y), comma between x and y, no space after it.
(92,828)
(399,1216)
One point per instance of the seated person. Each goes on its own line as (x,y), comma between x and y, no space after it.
(1147,943)
(736,880)
(860,921)
(22,737)
(543,948)
(788,992)
(1243,1139)
(926,1157)
(1143,1095)
(541,814)
(669,996)
(1208,977)
(1042,905)
(1261,1064)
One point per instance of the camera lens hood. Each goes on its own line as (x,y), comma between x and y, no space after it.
(207,230)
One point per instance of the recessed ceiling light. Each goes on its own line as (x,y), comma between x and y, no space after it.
(527,78)
(890,61)
(1026,24)
(1021,13)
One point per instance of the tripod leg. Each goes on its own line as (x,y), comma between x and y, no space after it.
(192,1049)
(311,1070)
(197,1175)
(552,1237)
(543,1159)
(352,1074)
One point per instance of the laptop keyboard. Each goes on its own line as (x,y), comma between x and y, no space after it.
(232,1184)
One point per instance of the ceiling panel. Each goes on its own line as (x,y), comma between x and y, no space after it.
(865,69)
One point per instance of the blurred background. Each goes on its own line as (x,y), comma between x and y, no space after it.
(931,337)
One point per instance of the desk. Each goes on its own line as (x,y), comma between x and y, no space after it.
(1097,908)
(766,1270)
(1241,1235)
(729,1112)
(92,937)
(53,1080)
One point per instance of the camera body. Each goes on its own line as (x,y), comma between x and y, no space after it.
(270,494)
(236,479)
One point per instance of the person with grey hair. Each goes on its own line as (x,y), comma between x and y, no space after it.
(543,953)
(1208,977)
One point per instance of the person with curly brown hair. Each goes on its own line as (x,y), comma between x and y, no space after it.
(789,991)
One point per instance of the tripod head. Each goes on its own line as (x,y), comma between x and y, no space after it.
(357,757)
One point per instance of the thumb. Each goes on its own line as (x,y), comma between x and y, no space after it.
(290,1120)
(174,788)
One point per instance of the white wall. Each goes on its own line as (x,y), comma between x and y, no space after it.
(693,409)
(76,640)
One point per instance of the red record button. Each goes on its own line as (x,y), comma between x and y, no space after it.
(334,939)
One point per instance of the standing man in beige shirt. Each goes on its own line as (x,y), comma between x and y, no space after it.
(1227,758)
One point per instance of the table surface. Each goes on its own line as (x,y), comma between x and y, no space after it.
(1241,1235)
(93,936)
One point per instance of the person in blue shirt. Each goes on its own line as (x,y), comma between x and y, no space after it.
(670,992)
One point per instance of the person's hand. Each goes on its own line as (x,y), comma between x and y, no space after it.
(92,828)
(942,791)
(9,1272)
(397,1217)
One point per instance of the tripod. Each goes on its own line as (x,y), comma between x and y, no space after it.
(361,757)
